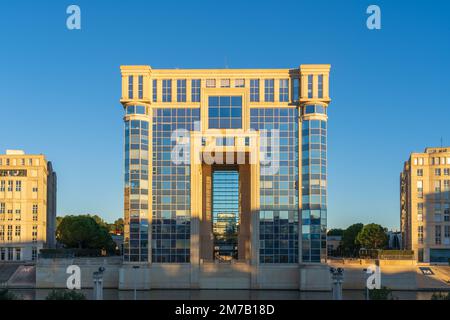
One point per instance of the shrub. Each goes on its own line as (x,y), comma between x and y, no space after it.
(440,296)
(383,293)
(5,294)
(65,295)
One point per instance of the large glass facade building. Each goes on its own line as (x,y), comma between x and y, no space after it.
(225,166)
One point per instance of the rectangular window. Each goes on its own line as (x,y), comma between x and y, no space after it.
(447,188)
(320,83)
(268,90)
(34,234)
(225,83)
(420,189)
(446,212)
(141,87)
(9,234)
(420,234)
(155,90)
(447,172)
(437,172)
(10,186)
(18,254)
(437,186)
(181,90)
(254,90)
(437,234)
(284,90)
(310,86)
(17,233)
(295,89)
(35,212)
(210,83)
(225,112)
(420,172)
(33,253)
(2,208)
(2,186)
(167,90)
(195,88)
(2,233)
(447,232)
(239,83)
(130,87)
(437,208)
(420,211)
(18,186)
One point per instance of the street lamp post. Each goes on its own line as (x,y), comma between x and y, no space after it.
(337,275)
(135,268)
(98,283)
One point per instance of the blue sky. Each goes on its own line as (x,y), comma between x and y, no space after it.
(60,89)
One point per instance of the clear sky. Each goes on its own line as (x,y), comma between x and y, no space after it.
(60,89)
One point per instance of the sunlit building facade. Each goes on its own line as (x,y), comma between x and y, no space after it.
(225,165)
(425,205)
(27,205)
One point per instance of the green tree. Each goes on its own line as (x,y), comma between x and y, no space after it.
(65,295)
(383,293)
(117,226)
(335,232)
(84,232)
(349,245)
(5,294)
(58,220)
(100,221)
(372,236)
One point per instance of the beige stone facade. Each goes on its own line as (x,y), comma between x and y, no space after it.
(425,205)
(27,205)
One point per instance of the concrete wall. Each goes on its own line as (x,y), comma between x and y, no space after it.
(51,273)
(315,278)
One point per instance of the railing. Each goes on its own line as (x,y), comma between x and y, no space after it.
(70,253)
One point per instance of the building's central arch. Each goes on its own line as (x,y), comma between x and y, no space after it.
(225,212)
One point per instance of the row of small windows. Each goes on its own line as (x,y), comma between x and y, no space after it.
(17,212)
(437,234)
(8,185)
(433,161)
(437,188)
(437,172)
(181,92)
(19,162)
(317,108)
(6,234)
(14,254)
